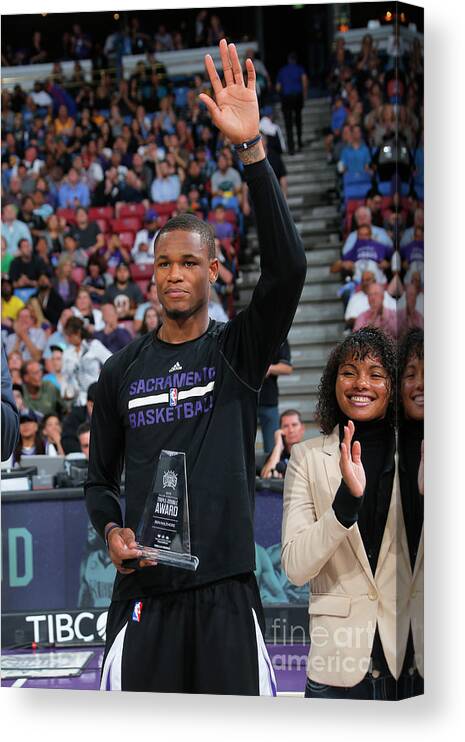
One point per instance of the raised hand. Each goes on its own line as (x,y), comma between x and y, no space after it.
(235,108)
(350,462)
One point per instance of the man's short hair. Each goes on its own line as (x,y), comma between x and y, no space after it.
(83,428)
(289,413)
(190,223)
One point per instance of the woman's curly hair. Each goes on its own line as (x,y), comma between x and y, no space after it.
(369,341)
(412,346)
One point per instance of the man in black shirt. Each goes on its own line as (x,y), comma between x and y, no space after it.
(26,268)
(192,387)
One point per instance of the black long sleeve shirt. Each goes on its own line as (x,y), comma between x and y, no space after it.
(213,419)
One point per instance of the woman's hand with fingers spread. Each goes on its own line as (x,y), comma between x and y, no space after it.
(350,463)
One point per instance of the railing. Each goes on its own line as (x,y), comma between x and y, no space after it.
(183,62)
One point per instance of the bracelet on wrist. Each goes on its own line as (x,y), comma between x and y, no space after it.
(247,145)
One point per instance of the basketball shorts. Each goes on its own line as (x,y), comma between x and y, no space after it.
(207,639)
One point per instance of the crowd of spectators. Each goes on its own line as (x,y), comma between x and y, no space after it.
(90,172)
(375,143)
(129,36)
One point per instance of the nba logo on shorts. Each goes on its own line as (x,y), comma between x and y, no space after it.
(173,397)
(137,611)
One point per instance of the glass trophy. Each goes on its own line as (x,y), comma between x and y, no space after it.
(163,533)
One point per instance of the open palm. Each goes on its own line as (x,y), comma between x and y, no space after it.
(350,462)
(235,108)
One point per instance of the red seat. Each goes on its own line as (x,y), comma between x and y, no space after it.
(68,214)
(164,209)
(143,285)
(386,202)
(103,225)
(142,272)
(130,223)
(127,239)
(101,212)
(128,210)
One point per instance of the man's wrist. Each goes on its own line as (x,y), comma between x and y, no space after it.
(108,529)
(252,154)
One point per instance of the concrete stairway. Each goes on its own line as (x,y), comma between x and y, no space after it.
(318,323)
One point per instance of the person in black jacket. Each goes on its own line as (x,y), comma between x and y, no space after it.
(10,415)
(192,387)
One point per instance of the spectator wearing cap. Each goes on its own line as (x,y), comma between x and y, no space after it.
(73,193)
(13,229)
(28,340)
(49,299)
(77,416)
(226,185)
(11,304)
(377,315)
(142,252)
(87,233)
(30,441)
(113,337)
(152,301)
(39,395)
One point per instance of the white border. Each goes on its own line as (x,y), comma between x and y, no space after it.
(83,715)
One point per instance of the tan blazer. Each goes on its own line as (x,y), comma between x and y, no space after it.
(347,601)
(416,607)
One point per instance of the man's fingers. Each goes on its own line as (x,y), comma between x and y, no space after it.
(215,81)
(226,62)
(210,103)
(251,77)
(236,65)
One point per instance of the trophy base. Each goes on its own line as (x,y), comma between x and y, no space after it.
(170,558)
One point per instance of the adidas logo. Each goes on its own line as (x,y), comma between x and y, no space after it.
(177,367)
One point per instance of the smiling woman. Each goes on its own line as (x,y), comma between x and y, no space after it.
(342,529)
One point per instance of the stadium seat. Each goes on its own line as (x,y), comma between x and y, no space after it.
(68,214)
(143,284)
(101,212)
(164,209)
(130,223)
(103,225)
(128,210)
(127,239)
(141,272)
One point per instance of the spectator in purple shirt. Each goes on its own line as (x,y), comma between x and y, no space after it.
(223,230)
(113,337)
(72,193)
